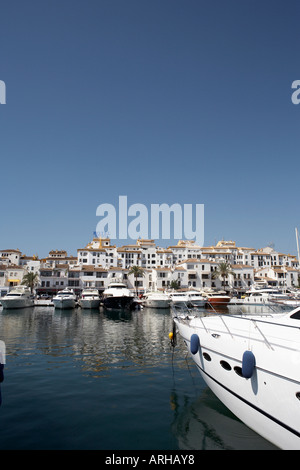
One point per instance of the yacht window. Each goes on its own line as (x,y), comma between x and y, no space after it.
(296,315)
(206,356)
(238,370)
(225,365)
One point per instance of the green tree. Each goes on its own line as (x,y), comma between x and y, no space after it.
(30,280)
(174,284)
(223,271)
(137,271)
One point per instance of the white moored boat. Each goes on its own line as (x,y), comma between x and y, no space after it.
(263,297)
(252,365)
(188,298)
(179,298)
(156,299)
(216,297)
(292,303)
(90,298)
(65,299)
(196,299)
(118,296)
(18,297)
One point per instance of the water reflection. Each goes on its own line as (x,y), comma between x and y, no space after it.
(122,370)
(206,424)
(96,340)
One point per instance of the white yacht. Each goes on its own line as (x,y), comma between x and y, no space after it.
(18,297)
(258,297)
(65,299)
(292,303)
(215,297)
(179,298)
(261,297)
(195,298)
(90,298)
(118,296)
(156,299)
(251,363)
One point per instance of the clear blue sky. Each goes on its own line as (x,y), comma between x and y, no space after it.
(165,101)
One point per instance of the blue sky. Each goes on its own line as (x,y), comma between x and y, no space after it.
(164,101)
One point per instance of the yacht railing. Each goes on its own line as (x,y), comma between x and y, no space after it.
(242,316)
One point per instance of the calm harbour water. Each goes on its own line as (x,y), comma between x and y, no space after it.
(94,380)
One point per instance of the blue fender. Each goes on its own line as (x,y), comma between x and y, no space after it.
(195,343)
(248,364)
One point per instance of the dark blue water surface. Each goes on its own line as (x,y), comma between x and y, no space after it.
(92,380)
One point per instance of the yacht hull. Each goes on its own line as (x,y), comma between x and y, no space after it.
(17,303)
(267,401)
(117,303)
(64,303)
(218,300)
(196,303)
(89,303)
(157,303)
(252,414)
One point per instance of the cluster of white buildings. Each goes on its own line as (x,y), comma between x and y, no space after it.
(191,266)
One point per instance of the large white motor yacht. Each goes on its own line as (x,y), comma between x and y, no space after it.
(188,298)
(251,363)
(118,296)
(156,299)
(195,298)
(90,298)
(215,297)
(179,298)
(18,297)
(65,299)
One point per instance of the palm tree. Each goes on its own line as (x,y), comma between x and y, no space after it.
(137,271)
(30,280)
(223,271)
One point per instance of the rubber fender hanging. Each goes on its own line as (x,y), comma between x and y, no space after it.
(248,364)
(195,343)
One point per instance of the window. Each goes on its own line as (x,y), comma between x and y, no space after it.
(73,275)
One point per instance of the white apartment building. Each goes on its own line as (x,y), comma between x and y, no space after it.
(10,256)
(30,263)
(191,266)
(279,276)
(52,279)
(11,275)
(98,253)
